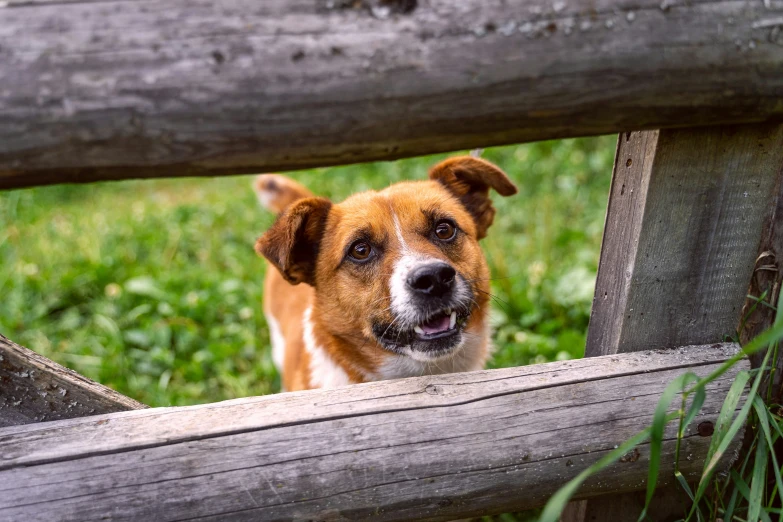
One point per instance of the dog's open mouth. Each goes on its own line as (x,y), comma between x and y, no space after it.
(438,332)
(440,325)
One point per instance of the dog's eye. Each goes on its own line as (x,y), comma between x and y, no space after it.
(445,230)
(360,250)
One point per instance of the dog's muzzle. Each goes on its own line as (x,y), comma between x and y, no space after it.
(431,305)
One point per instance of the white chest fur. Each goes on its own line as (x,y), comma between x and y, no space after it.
(324,372)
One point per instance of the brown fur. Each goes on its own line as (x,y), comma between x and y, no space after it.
(308,242)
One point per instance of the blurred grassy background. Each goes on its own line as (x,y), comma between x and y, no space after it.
(153,288)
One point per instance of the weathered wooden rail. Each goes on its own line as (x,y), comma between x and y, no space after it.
(428,448)
(35,389)
(115,89)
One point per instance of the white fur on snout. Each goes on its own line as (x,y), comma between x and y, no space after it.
(406,314)
(398,282)
(402,307)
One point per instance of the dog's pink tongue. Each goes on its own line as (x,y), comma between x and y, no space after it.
(437,325)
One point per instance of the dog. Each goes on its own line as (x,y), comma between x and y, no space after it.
(385,285)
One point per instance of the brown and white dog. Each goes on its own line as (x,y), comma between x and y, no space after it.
(396,284)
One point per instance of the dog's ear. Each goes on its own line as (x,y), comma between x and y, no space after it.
(292,243)
(469,180)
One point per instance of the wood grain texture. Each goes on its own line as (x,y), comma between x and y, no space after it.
(685,220)
(688,210)
(138,88)
(623,227)
(35,389)
(429,448)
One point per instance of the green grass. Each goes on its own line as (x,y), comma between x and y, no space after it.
(153,288)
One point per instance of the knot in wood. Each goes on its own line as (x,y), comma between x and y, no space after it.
(432,389)
(706,429)
(631,456)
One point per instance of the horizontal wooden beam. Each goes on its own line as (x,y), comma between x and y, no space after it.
(117,89)
(35,389)
(428,448)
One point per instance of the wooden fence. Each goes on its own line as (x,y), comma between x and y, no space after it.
(97,89)
(421,448)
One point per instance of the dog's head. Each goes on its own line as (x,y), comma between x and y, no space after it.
(401,267)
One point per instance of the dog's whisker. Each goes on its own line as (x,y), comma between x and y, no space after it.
(497,299)
(491,279)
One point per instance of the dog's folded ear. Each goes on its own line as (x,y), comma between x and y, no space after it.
(469,180)
(292,243)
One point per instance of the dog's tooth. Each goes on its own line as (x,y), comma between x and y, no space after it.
(452,320)
(418,330)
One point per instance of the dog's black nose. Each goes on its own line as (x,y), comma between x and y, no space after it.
(435,279)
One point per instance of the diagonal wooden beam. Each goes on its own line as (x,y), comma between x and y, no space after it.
(35,389)
(686,217)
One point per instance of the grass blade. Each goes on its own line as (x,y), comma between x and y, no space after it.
(726,439)
(724,433)
(558,501)
(758,480)
(769,336)
(722,425)
(727,410)
(656,433)
(729,513)
(684,484)
(740,485)
(694,409)
(775,423)
(762,413)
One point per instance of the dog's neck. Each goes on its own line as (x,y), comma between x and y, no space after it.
(337,359)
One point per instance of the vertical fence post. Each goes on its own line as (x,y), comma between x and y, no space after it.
(688,211)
